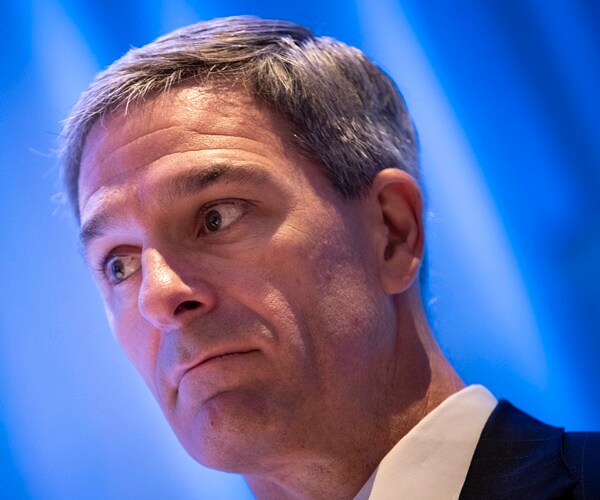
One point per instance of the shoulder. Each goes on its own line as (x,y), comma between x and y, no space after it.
(582,454)
(520,457)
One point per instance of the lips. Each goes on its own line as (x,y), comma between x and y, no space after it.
(212,357)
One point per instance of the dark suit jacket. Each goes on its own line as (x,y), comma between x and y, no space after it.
(519,457)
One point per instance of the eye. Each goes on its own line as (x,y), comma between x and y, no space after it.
(118,268)
(219,216)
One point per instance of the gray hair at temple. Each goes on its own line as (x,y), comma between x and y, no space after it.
(345,112)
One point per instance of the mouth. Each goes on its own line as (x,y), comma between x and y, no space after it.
(225,356)
(216,358)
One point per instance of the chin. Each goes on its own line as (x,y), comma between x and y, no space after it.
(232,432)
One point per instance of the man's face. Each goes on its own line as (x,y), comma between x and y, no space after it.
(244,290)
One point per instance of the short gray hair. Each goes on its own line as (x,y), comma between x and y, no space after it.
(345,112)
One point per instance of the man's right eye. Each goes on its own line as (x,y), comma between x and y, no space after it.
(118,268)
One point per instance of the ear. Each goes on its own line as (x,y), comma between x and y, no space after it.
(397,206)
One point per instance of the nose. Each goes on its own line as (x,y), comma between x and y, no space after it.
(168,300)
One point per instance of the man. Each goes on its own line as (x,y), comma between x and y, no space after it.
(249,201)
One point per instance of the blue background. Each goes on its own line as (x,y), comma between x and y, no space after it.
(505,95)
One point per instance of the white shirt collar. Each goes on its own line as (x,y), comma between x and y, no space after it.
(433,459)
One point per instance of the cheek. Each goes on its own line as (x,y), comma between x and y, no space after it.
(137,339)
(329,278)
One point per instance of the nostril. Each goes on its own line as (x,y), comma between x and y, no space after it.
(188,305)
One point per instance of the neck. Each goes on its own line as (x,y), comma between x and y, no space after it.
(417,380)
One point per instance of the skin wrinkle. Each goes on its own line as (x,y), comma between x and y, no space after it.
(196,139)
(141,167)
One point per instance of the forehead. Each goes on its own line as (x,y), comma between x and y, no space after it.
(183,120)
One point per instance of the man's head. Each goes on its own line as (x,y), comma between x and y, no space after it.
(255,255)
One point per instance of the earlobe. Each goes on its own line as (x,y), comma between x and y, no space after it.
(397,198)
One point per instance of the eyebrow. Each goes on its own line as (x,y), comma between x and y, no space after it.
(180,186)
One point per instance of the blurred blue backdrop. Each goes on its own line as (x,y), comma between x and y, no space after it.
(505,95)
